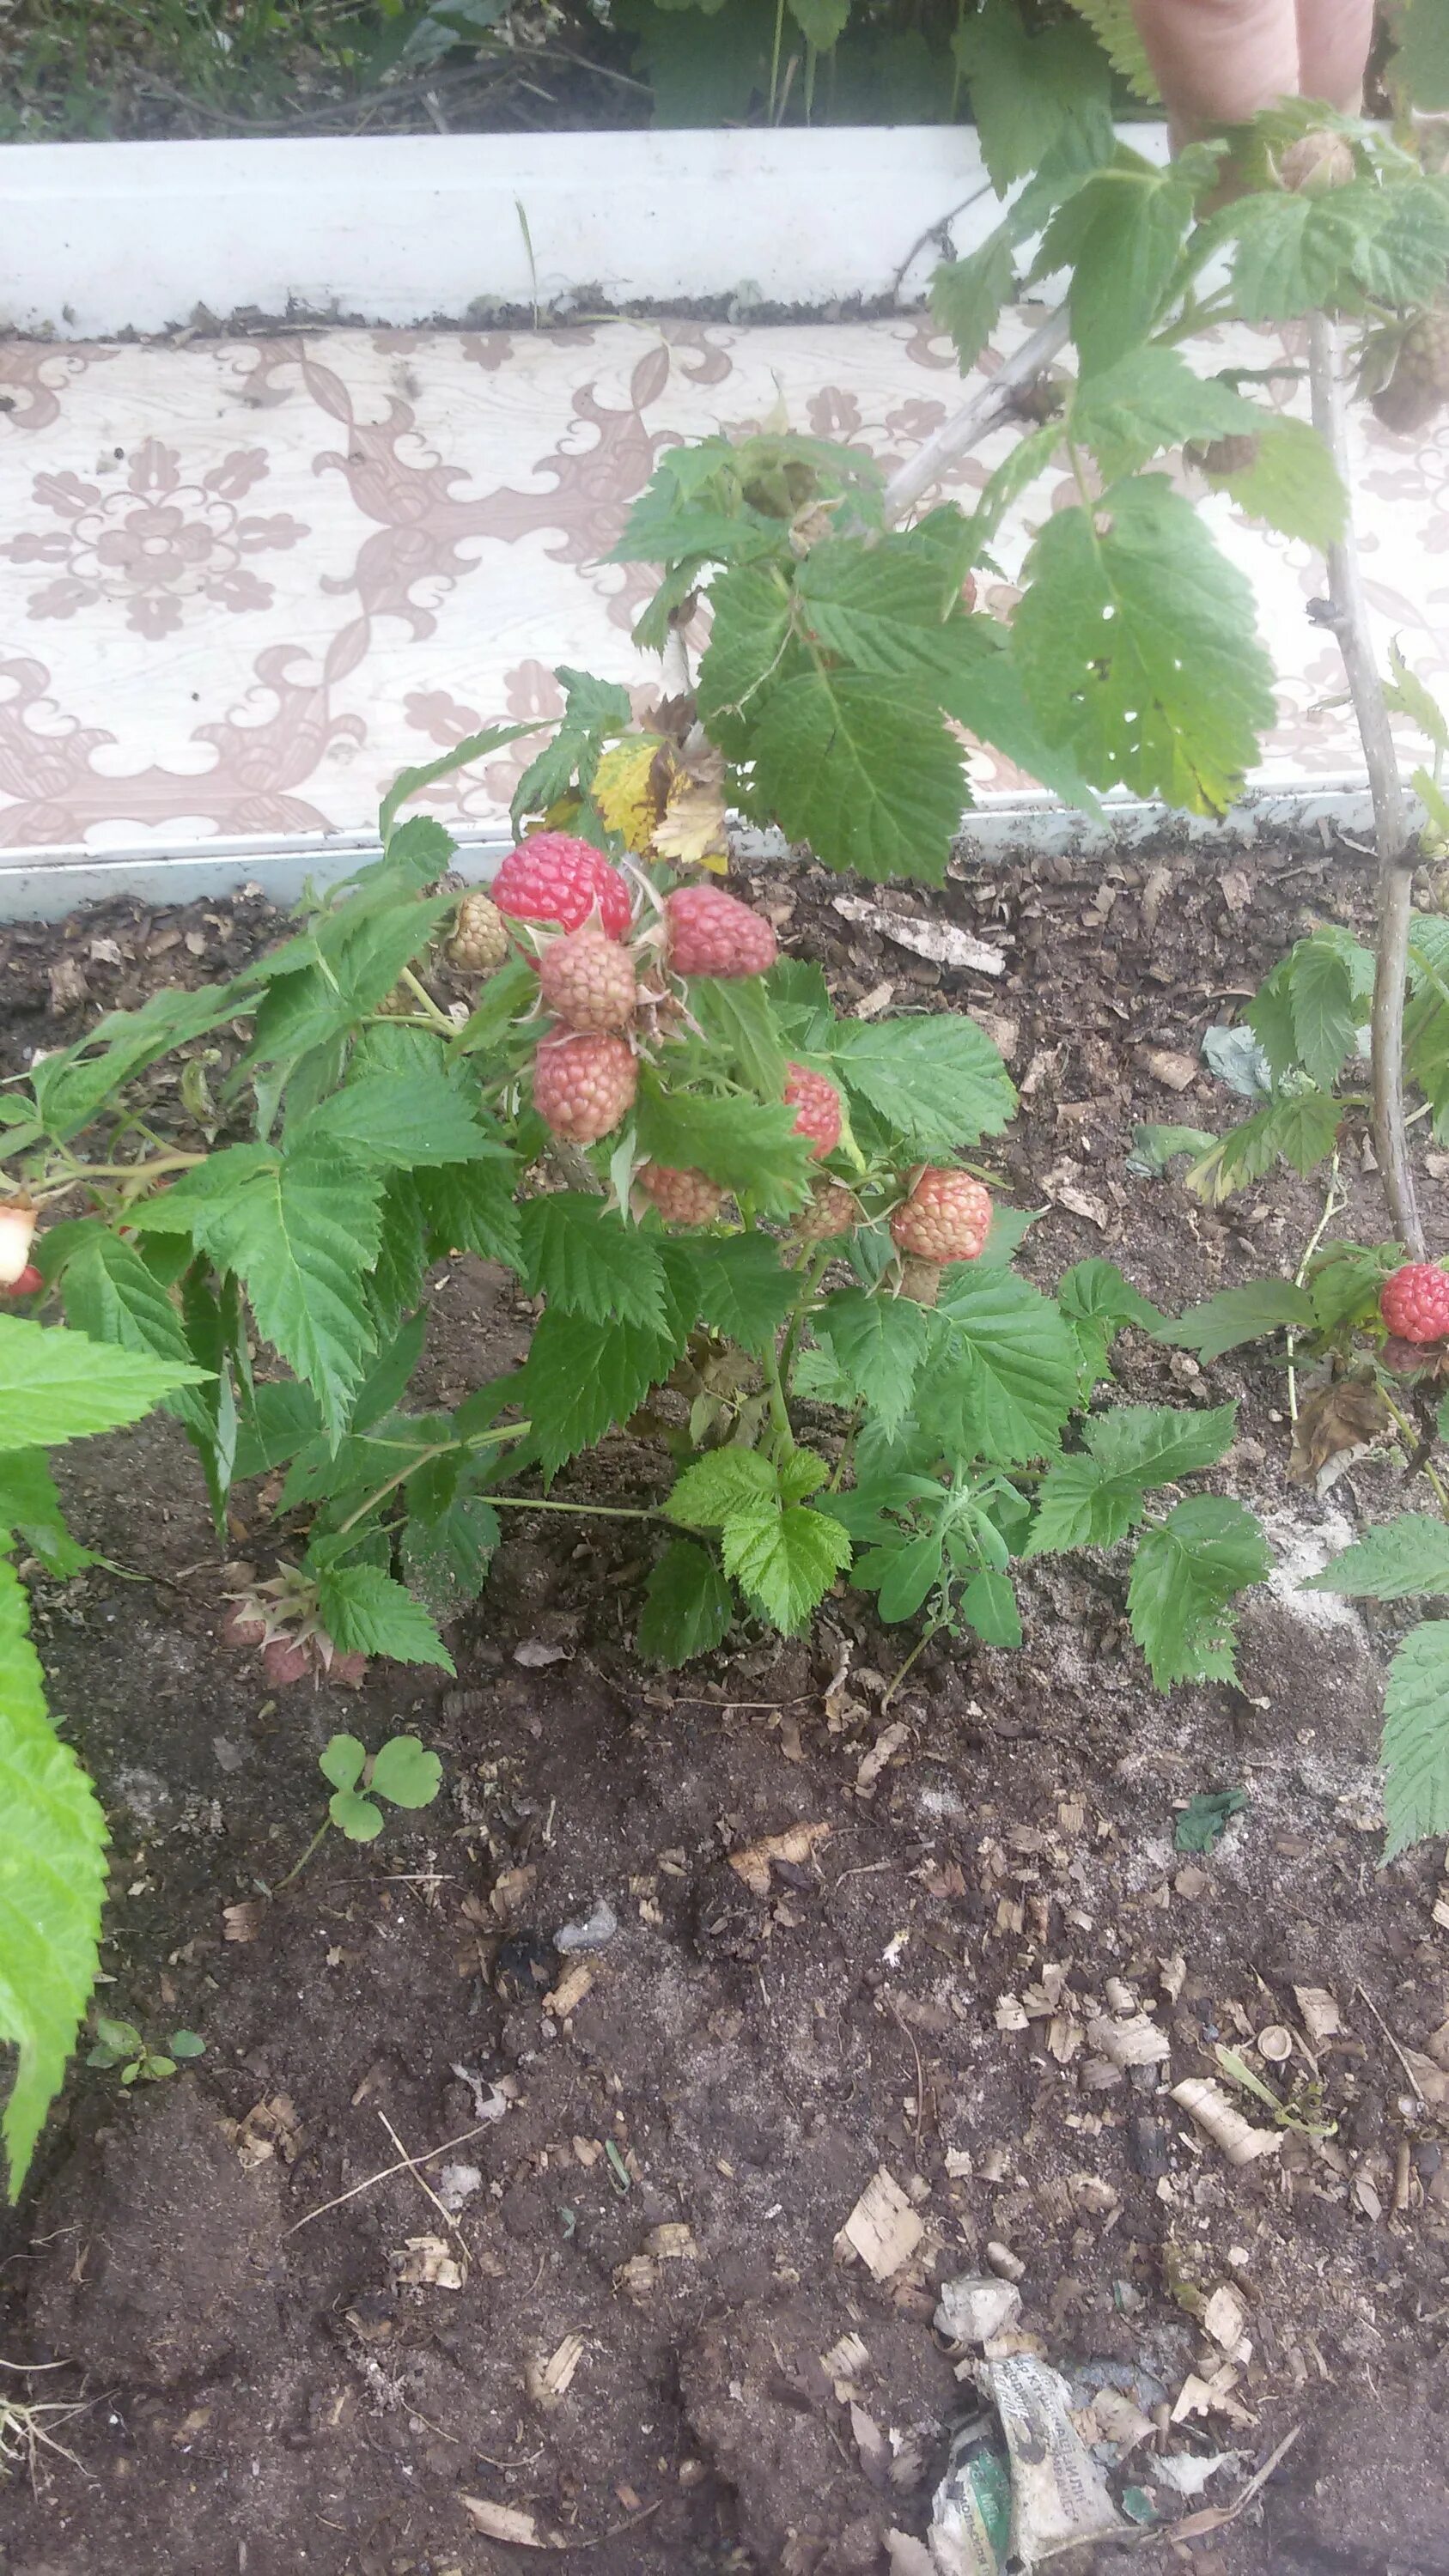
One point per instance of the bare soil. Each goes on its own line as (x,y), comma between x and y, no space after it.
(286,2364)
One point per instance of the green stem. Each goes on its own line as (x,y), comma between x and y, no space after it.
(592,1511)
(298,1866)
(118,1172)
(775,56)
(1402,1423)
(417,1458)
(919,1648)
(803,1304)
(436,1018)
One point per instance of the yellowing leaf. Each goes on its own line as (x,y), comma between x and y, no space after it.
(631,786)
(693,829)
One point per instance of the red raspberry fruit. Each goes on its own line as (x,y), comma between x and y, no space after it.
(711,934)
(285,1662)
(817,1106)
(831,1210)
(947,1217)
(554,877)
(1415,1302)
(683,1197)
(243,1626)
(589,980)
(583,1085)
(29,1283)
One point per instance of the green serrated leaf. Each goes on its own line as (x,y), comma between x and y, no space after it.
(784,1561)
(1415,1751)
(408,1119)
(406,1773)
(687,1606)
(1114,25)
(1138,651)
(109,1292)
(586,1261)
(52,1880)
(1153,399)
(744,1290)
(736,1016)
(1155,1149)
(1402,1557)
(743,1144)
(365,1612)
(580,1378)
(1325,1021)
(411,782)
(30,1510)
(724,1482)
(1005,1378)
(752,612)
(71,1085)
(1292,482)
(988,1605)
(878,1343)
(967,294)
(882,606)
(1296,252)
(1238,1315)
(1093,1501)
(938,1081)
(1025,87)
(1121,235)
(57,1384)
(1344,1282)
(447,1539)
(1184,1576)
(864,770)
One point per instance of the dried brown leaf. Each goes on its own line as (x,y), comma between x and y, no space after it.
(795,1845)
(1339,1422)
(883,2228)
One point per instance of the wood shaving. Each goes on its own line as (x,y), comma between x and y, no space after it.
(941,941)
(570,1991)
(1224,2318)
(796,1846)
(1319,2013)
(511,1890)
(1208,2105)
(886,1746)
(1135,2042)
(504,2522)
(673,2243)
(549,2380)
(241,1922)
(428,2263)
(883,2228)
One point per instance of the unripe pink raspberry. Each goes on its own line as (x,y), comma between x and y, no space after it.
(243,1626)
(18,1221)
(583,1085)
(710,933)
(285,1662)
(1415,1302)
(554,877)
(946,1217)
(816,1103)
(589,980)
(29,1283)
(480,936)
(831,1210)
(683,1197)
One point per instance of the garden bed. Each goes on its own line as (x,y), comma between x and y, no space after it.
(1000,1839)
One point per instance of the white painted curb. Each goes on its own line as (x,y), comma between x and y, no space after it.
(401,229)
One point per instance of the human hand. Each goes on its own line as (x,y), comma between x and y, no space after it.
(1218,61)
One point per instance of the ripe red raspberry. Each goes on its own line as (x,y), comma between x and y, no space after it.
(480,936)
(711,934)
(831,1210)
(682,1197)
(29,1283)
(1415,1302)
(583,1085)
(947,1217)
(817,1104)
(588,980)
(554,877)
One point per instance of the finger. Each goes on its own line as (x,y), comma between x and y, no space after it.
(1218,61)
(1333,43)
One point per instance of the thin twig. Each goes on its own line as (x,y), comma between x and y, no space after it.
(446,2215)
(384,2172)
(974,421)
(1391,820)
(1393,2043)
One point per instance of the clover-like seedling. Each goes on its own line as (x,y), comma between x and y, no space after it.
(120,2043)
(402,1771)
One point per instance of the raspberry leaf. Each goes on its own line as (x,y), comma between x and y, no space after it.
(448,1537)
(1292,482)
(1121,235)
(365,1612)
(411,782)
(1184,1575)
(863,769)
(1095,1302)
(71,1085)
(983,692)
(1293,252)
(1005,1378)
(967,294)
(736,1017)
(937,1082)
(988,1605)
(878,1345)
(720,1485)
(1402,1557)
(1416,1738)
(883,607)
(687,1606)
(1150,400)
(593,711)
(1238,1315)
(57,1384)
(1092,1501)
(1325,1021)
(1137,647)
(52,1878)
(743,1144)
(580,1378)
(744,1290)
(1026,87)
(784,1560)
(108,1292)
(412,1120)
(470,1207)
(753,612)
(586,1261)
(30,1510)
(1345,1280)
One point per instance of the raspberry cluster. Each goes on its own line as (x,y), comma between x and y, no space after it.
(945,1216)
(1414,1303)
(280,1616)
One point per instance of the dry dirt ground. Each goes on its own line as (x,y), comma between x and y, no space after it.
(613,2304)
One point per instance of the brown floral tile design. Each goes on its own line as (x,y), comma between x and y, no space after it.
(243,582)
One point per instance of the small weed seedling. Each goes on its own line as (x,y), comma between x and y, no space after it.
(402,1771)
(120,2044)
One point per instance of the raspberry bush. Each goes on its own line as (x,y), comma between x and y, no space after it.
(777,1223)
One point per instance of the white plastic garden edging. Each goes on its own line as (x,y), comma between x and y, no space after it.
(398,229)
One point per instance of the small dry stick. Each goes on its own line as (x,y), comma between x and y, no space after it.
(1393,2043)
(1391,820)
(407,2164)
(424,2185)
